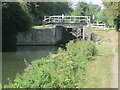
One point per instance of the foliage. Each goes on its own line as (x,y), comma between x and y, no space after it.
(111,8)
(18,19)
(20,16)
(15,18)
(101,17)
(40,9)
(85,9)
(0,5)
(66,69)
(0,87)
(93,9)
(81,9)
(112,12)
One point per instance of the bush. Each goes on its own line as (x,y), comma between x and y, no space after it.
(66,69)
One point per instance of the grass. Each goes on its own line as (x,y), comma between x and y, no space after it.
(43,27)
(99,73)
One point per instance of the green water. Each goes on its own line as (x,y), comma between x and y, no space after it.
(14,58)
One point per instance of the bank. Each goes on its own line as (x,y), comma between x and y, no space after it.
(85,64)
(66,69)
(100,73)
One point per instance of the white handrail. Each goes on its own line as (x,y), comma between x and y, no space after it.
(61,19)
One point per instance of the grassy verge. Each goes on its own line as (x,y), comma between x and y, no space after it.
(43,27)
(99,73)
(67,69)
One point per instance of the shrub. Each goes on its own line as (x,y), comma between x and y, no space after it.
(66,69)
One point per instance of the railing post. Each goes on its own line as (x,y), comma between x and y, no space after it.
(83,33)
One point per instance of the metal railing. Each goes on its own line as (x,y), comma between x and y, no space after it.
(66,19)
(98,26)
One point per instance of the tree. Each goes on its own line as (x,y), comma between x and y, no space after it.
(112,13)
(85,9)
(101,17)
(15,18)
(94,9)
(40,9)
(20,16)
(81,9)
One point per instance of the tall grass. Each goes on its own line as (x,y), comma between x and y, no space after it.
(66,69)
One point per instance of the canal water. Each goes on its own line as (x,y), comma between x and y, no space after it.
(14,59)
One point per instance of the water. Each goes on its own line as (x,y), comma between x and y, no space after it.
(13,59)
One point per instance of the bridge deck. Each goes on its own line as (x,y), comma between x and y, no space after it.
(70,24)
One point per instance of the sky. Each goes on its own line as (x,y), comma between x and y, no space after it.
(99,2)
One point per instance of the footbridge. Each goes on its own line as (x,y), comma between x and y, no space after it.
(67,20)
(57,30)
(79,26)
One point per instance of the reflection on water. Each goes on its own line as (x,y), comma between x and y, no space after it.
(13,58)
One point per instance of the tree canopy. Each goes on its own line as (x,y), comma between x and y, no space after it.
(20,16)
(86,9)
(81,9)
(110,14)
(40,9)
(101,17)
(14,19)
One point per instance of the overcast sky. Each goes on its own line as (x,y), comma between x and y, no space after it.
(99,2)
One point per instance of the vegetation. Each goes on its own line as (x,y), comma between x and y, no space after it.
(110,14)
(99,71)
(67,69)
(111,11)
(72,68)
(101,17)
(15,19)
(0,86)
(85,9)
(20,16)
(26,14)
(39,9)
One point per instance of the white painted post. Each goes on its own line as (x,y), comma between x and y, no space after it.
(93,17)
(83,34)
(62,16)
